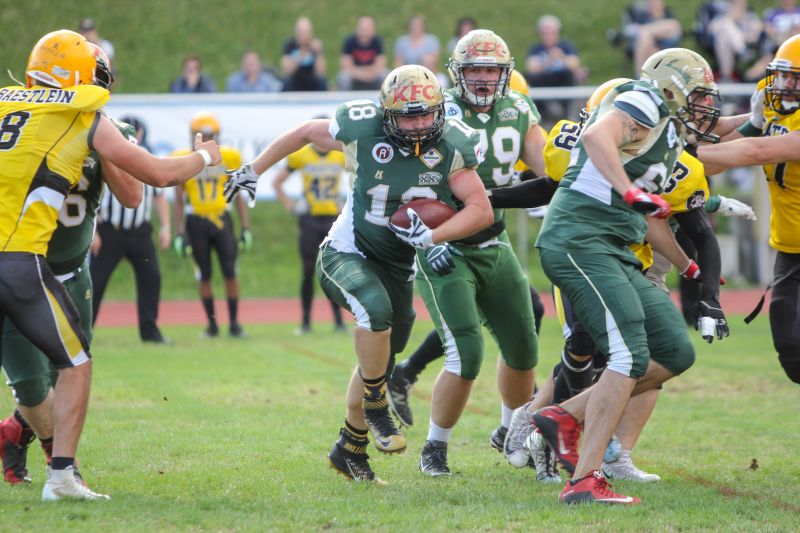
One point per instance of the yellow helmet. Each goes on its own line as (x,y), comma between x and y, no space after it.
(205,123)
(783,96)
(408,91)
(598,95)
(687,84)
(61,59)
(518,82)
(481,48)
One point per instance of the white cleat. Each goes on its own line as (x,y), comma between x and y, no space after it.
(623,468)
(544,460)
(62,485)
(519,429)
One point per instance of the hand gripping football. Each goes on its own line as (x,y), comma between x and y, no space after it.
(432,212)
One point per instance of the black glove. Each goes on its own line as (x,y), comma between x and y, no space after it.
(440,258)
(710,319)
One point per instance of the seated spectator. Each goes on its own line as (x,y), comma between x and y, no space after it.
(89,31)
(463,27)
(252,78)
(650,26)
(553,61)
(780,23)
(363,63)
(418,47)
(302,63)
(192,80)
(736,32)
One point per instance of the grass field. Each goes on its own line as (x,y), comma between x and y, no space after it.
(231,436)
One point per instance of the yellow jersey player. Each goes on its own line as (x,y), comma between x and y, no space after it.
(316,210)
(208,226)
(47,129)
(773,140)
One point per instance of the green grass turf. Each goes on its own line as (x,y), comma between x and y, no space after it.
(227,435)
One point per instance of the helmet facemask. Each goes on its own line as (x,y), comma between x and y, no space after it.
(416,141)
(701,113)
(782,88)
(477,49)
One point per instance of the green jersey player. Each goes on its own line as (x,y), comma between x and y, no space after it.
(30,373)
(399,151)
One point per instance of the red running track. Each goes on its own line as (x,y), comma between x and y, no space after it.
(287,310)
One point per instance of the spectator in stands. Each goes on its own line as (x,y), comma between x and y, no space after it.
(302,63)
(780,23)
(252,77)
(651,26)
(363,63)
(463,27)
(88,30)
(192,79)
(418,47)
(736,32)
(553,61)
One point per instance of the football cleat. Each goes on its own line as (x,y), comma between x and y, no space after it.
(561,431)
(210,332)
(593,488)
(433,459)
(623,468)
(519,429)
(387,438)
(352,461)
(399,386)
(613,450)
(63,484)
(236,331)
(544,460)
(498,438)
(14,442)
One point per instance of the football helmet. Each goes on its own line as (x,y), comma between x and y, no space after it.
(61,59)
(205,123)
(480,48)
(687,84)
(783,76)
(597,96)
(103,75)
(518,83)
(409,91)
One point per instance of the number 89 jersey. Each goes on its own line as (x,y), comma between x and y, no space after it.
(386,177)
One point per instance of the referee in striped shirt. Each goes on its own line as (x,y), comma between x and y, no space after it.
(127,233)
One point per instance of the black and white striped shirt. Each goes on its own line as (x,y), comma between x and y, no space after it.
(123,218)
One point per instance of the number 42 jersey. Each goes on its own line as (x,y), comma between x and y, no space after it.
(387,176)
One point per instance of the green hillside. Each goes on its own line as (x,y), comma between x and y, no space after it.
(151,38)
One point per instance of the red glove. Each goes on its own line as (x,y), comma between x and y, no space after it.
(692,272)
(650,204)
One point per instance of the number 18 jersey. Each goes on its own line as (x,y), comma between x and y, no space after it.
(386,177)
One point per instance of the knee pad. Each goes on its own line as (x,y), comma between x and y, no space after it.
(580,343)
(32,391)
(789,357)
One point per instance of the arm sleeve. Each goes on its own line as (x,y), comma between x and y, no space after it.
(696,225)
(532,193)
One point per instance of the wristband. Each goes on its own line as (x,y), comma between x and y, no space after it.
(206,157)
(749,130)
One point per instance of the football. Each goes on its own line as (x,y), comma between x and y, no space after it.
(432,212)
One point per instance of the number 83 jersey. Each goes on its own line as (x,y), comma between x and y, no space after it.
(386,177)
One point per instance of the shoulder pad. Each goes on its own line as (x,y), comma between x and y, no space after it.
(640,106)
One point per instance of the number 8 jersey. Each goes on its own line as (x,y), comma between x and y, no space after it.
(386,177)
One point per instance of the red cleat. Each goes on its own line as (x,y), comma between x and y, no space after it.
(561,431)
(14,442)
(593,488)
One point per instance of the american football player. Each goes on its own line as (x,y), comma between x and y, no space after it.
(402,150)
(772,139)
(203,223)
(48,129)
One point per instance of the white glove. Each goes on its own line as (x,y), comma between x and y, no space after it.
(300,207)
(417,234)
(243,178)
(537,212)
(731,207)
(757,109)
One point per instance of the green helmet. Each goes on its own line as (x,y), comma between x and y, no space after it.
(687,84)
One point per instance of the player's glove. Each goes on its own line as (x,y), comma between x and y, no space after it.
(650,204)
(440,258)
(731,207)
(710,319)
(181,245)
(692,272)
(757,109)
(245,241)
(243,178)
(417,234)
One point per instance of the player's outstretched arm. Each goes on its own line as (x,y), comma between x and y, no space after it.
(126,188)
(533,150)
(751,151)
(477,213)
(531,193)
(155,171)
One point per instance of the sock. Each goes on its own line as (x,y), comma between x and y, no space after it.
(61,463)
(439,433)
(47,447)
(233,309)
(505,418)
(20,419)
(430,350)
(208,305)
(375,393)
(337,314)
(353,439)
(576,374)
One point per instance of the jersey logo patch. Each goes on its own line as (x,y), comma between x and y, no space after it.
(383,152)
(508,114)
(522,106)
(483,117)
(696,200)
(672,135)
(378,175)
(430,178)
(431,158)
(452,111)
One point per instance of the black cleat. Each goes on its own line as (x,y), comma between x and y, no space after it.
(399,386)
(433,459)
(352,461)
(498,438)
